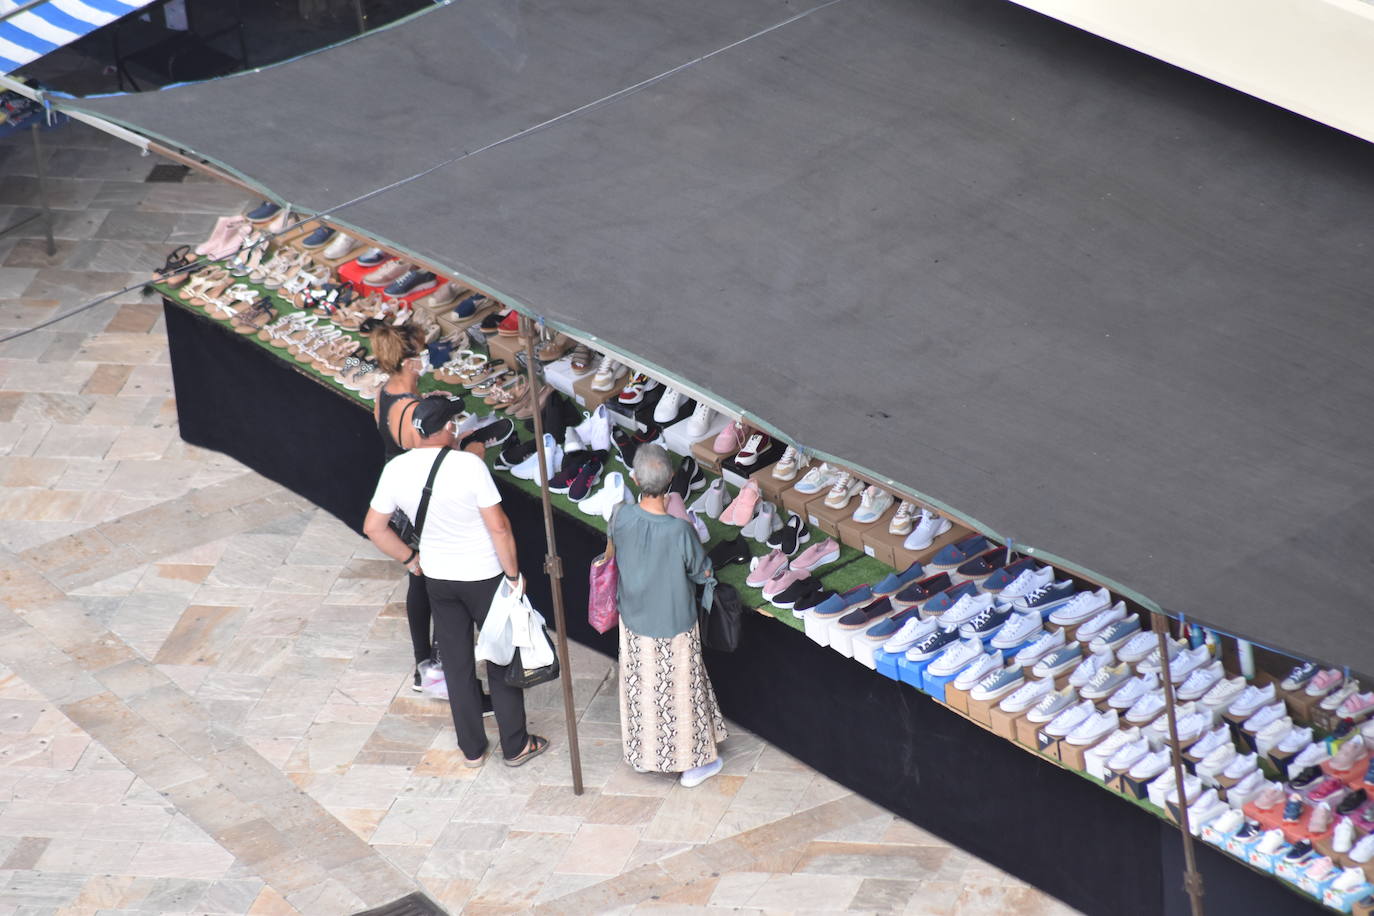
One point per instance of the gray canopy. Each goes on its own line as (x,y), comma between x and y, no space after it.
(1101,306)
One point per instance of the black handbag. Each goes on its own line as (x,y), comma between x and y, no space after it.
(720,627)
(400,522)
(517,675)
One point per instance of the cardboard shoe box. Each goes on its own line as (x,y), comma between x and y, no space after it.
(902,558)
(881,545)
(586,397)
(771,488)
(854,534)
(1004,724)
(793,500)
(706,456)
(826,518)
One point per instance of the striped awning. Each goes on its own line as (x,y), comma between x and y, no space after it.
(30,29)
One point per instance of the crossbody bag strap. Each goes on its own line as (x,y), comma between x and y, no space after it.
(429,490)
(610,541)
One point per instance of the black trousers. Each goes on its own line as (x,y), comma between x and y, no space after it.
(417,615)
(458,607)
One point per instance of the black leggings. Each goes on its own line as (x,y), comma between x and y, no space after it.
(458,607)
(418,615)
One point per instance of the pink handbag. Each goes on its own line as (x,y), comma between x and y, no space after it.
(603,609)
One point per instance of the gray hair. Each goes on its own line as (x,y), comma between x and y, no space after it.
(653,469)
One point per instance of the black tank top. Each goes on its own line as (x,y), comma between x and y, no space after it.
(385,400)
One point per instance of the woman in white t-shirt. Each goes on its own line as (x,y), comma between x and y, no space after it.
(466,547)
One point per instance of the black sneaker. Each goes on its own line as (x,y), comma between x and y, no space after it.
(513,453)
(688,477)
(790,536)
(490,434)
(412,281)
(809,601)
(563,479)
(797,591)
(727,552)
(1308,776)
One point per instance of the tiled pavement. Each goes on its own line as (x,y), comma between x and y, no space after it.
(203,679)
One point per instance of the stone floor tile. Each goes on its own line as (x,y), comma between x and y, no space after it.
(599,849)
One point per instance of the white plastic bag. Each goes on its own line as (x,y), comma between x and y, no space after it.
(513,623)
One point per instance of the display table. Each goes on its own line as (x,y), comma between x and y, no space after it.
(1048,825)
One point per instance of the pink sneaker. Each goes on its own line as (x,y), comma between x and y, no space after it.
(1356,705)
(761,569)
(1323,682)
(828,551)
(741,511)
(731,439)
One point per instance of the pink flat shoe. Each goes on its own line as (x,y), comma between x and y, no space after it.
(741,511)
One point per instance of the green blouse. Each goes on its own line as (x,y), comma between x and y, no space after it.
(661,562)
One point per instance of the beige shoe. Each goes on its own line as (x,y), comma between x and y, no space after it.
(391,270)
(442,298)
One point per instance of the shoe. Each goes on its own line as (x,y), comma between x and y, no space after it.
(927,527)
(1129,755)
(1294,741)
(923,590)
(317,239)
(1269,797)
(1292,809)
(263,212)
(1087,631)
(1044,644)
(608,372)
(946,599)
(674,506)
(1106,681)
(955,656)
(1300,851)
(1348,880)
(985,564)
(697,775)
(1093,729)
(731,439)
(1215,759)
(821,477)
(711,503)
(1146,709)
(666,410)
(763,568)
(1264,716)
(1250,700)
(1021,694)
(699,526)
(787,466)
(1150,766)
(700,422)
(1335,698)
(340,248)
(787,577)
(612,493)
(1008,574)
(372,257)
(873,503)
(741,509)
(895,582)
(595,429)
(1139,647)
(986,623)
(1271,842)
(634,390)
(1210,741)
(1080,607)
(687,477)
(411,282)
(981,667)
(964,610)
(1046,598)
(729,552)
(1224,692)
(1348,753)
(1323,682)
(1363,851)
(798,591)
(756,445)
(932,645)
(1229,822)
(1200,681)
(836,607)
(1130,692)
(1299,676)
(1352,802)
(911,631)
(1312,755)
(846,487)
(529,468)
(1017,630)
(818,555)
(803,606)
(902,521)
(1188,661)
(386,273)
(1356,705)
(1051,705)
(1115,635)
(587,477)
(960,552)
(1343,838)
(789,536)
(765,521)
(1090,666)
(1069,719)
(562,481)
(1025,583)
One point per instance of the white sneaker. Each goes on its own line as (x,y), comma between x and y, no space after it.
(1210,741)
(902,521)
(595,429)
(1223,693)
(1027,695)
(978,669)
(1269,736)
(788,465)
(964,610)
(1093,627)
(1340,695)
(1349,879)
(1089,667)
(1241,766)
(1263,716)
(608,372)
(1080,607)
(956,656)
(1146,708)
(1188,661)
(1343,837)
(1152,661)
(845,488)
(819,478)
(911,632)
(697,775)
(1250,700)
(1272,842)
(1046,643)
(1363,851)
(699,423)
(1129,755)
(1017,629)
(1115,742)
(1128,693)
(1229,822)
(1201,681)
(1093,728)
(1248,787)
(928,527)
(1137,647)
(612,493)
(1294,741)
(1026,583)
(1069,719)
(529,468)
(1151,765)
(872,504)
(572,442)
(340,247)
(666,408)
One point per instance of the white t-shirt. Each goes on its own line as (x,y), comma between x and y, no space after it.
(454,543)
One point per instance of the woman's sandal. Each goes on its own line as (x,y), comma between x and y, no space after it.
(538,745)
(255,318)
(581,358)
(174,272)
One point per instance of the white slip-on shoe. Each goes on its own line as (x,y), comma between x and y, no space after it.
(613,493)
(553,458)
(595,430)
(703,533)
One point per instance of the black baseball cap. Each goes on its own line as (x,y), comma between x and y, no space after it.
(431,414)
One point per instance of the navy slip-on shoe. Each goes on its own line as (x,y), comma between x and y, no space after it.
(263,212)
(924,590)
(319,238)
(952,555)
(840,605)
(897,581)
(860,618)
(945,600)
(1007,574)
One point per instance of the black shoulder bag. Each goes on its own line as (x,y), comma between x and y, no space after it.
(721,625)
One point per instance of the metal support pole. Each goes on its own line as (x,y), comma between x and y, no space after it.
(553,563)
(362,17)
(1192,881)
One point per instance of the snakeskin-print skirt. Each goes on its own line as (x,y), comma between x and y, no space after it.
(669,718)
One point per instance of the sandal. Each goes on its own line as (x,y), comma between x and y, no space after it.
(538,745)
(581,358)
(550,350)
(474,764)
(256,318)
(173,272)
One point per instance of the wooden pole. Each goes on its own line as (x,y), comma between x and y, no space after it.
(1192,881)
(553,563)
